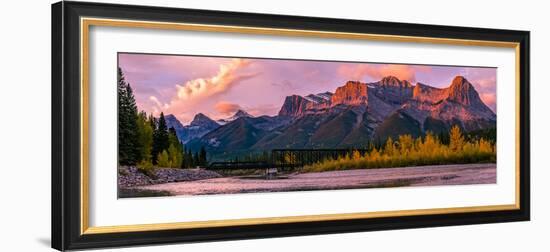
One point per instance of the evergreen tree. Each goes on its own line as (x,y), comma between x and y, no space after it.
(129,151)
(175,149)
(444,137)
(135,147)
(202,157)
(122,119)
(184,160)
(173,140)
(190,161)
(153,122)
(160,138)
(196,159)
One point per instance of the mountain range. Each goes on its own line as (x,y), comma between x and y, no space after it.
(354,115)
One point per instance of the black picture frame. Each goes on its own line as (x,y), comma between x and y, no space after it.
(66,124)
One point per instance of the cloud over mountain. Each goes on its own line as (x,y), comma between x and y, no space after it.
(196,91)
(378,71)
(182,85)
(226,108)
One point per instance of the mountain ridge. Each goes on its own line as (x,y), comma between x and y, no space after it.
(355,114)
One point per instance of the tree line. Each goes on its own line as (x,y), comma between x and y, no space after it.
(146,141)
(410,151)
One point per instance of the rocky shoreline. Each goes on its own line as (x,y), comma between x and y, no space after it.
(131,176)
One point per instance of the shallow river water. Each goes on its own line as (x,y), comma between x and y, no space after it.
(461,174)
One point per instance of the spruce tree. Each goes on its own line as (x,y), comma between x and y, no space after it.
(153,122)
(190,161)
(184,162)
(202,157)
(122,119)
(129,151)
(133,120)
(196,160)
(160,138)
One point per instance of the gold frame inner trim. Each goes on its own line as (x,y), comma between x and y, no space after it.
(86,23)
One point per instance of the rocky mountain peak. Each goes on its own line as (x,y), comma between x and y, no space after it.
(352,93)
(393,90)
(425,93)
(462,91)
(459,80)
(241,113)
(173,122)
(294,105)
(417,90)
(393,81)
(202,120)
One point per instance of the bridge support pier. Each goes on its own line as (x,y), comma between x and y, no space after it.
(270,173)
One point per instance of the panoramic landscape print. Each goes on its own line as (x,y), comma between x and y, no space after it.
(200,125)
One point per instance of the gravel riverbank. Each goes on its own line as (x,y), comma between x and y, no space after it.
(131,176)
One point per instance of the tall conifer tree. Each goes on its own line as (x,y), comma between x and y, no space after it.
(129,152)
(160,137)
(189,157)
(202,157)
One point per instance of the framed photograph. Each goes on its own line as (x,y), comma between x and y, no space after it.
(180,125)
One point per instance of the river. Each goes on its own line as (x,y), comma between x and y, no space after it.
(461,174)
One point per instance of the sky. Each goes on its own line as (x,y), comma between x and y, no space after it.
(219,86)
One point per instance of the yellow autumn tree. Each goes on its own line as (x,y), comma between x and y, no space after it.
(429,145)
(175,156)
(163,159)
(456,139)
(485,146)
(374,155)
(406,143)
(356,155)
(389,148)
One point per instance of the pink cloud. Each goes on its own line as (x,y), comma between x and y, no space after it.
(379,71)
(490,99)
(226,77)
(227,108)
(157,102)
(486,83)
(263,109)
